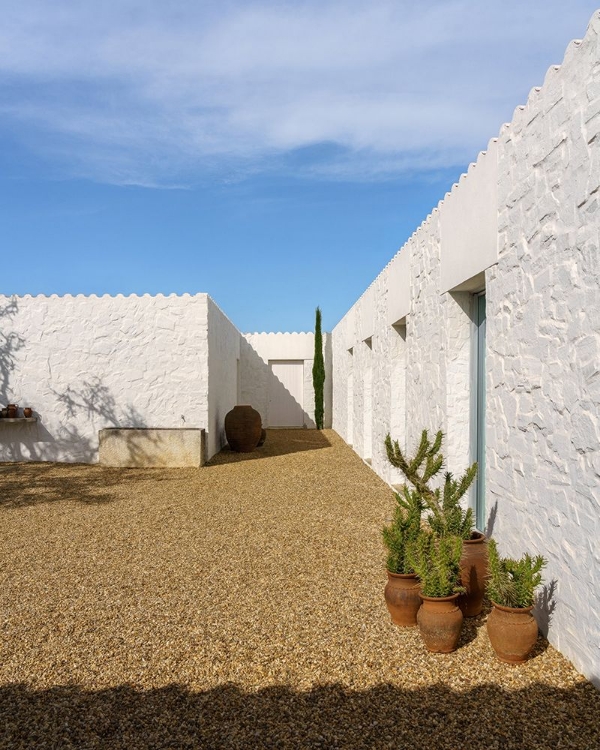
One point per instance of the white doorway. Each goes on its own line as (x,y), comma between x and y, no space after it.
(286,393)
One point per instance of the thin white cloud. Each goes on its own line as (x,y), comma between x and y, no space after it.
(156,93)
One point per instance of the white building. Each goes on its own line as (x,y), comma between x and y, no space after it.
(90,363)
(486,324)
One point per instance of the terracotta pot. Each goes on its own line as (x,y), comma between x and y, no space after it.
(243,428)
(440,621)
(513,633)
(12,411)
(473,574)
(402,598)
(28,412)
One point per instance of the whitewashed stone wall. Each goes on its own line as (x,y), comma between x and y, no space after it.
(257,349)
(543,304)
(85,363)
(524,224)
(224,341)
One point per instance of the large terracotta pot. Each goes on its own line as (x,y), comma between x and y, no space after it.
(402,598)
(513,633)
(440,621)
(473,574)
(243,428)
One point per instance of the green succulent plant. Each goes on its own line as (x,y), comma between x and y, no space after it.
(512,583)
(403,530)
(436,560)
(447,516)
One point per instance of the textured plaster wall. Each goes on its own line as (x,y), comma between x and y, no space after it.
(224,342)
(256,351)
(543,301)
(536,250)
(85,363)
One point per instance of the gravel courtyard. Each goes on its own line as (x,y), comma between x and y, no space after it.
(241,606)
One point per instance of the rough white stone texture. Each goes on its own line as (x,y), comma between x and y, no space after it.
(148,448)
(256,351)
(224,344)
(86,363)
(543,332)
(539,194)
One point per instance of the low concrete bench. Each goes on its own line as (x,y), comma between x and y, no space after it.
(143,447)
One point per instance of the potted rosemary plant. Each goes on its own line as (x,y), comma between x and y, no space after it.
(447,517)
(511,585)
(402,588)
(436,560)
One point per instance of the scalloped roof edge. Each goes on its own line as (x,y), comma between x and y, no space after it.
(145,295)
(572,47)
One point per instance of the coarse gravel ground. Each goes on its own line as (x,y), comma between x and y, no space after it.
(241,606)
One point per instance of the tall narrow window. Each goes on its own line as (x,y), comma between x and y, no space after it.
(368,403)
(350,425)
(480,411)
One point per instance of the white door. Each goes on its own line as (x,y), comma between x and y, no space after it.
(286,387)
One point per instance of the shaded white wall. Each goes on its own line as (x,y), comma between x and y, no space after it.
(84,363)
(524,224)
(256,351)
(223,355)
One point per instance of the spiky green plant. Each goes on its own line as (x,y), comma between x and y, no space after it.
(447,516)
(403,530)
(436,560)
(512,583)
(318,371)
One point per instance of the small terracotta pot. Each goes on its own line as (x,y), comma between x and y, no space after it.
(440,621)
(402,598)
(243,428)
(12,411)
(473,574)
(28,412)
(513,633)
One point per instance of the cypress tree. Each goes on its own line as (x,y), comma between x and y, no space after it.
(318,371)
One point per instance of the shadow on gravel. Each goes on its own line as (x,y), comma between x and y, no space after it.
(384,716)
(278,443)
(25,484)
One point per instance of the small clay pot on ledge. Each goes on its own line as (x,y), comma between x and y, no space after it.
(12,411)
(28,412)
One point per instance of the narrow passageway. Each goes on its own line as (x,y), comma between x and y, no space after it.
(240,605)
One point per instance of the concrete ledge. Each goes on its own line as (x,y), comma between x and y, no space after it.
(143,447)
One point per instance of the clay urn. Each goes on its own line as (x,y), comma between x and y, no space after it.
(440,621)
(28,412)
(473,574)
(243,428)
(513,633)
(12,411)
(402,598)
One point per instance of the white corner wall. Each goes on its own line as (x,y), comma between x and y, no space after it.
(257,349)
(524,224)
(85,363)
(224,342)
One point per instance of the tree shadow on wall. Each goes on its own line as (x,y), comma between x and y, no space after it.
(383,716)
(32,483)
(10,343)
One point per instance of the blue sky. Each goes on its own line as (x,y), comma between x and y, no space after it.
(273,154)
